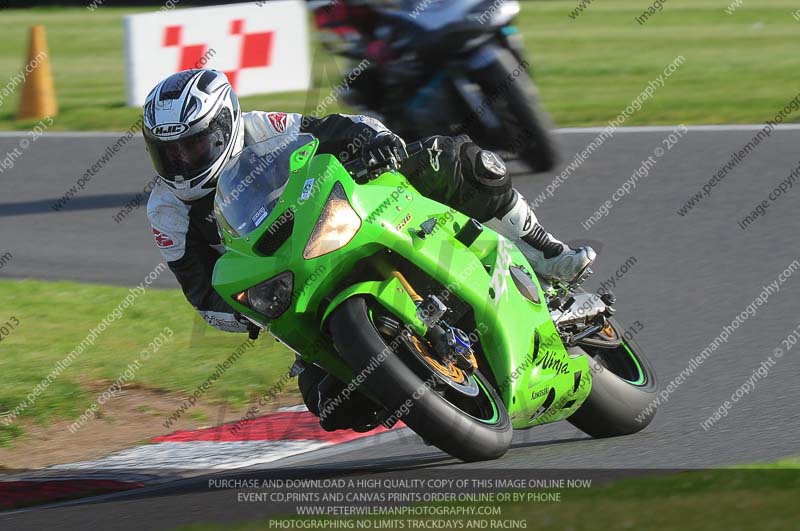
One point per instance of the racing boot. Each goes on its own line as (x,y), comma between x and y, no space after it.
(549,257)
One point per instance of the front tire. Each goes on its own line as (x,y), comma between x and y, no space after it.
(515,101)
(393,383)
(624,388)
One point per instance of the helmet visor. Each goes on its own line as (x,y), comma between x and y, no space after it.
(191,155)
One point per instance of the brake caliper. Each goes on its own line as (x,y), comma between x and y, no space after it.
(450,344)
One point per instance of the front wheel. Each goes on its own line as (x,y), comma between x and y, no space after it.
(470,428)
(624,388)
(512,96)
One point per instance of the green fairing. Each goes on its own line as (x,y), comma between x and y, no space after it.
(391,213)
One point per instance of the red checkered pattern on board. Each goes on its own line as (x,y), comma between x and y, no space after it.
(255,49)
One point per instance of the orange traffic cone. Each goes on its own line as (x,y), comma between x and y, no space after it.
(38,98)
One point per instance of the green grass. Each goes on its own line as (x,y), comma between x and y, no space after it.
(712,500)
(55,316)
(693,501)
(739,68)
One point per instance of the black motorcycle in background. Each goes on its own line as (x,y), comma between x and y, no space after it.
(457,67)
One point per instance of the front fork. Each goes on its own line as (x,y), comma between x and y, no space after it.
(450,344)
(512,39)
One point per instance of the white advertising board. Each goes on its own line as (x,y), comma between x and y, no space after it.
(261,48)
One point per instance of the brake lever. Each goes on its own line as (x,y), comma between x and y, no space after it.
(358,170)
(362,173)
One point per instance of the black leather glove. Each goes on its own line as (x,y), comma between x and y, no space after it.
(386,150)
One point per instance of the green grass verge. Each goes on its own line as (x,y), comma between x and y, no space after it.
(55,316)
(714,500)
(740,68)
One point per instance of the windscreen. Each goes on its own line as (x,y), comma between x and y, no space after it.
(252,182)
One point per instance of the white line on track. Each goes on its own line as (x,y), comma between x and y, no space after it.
(564,131)
(669,128)
(65,134)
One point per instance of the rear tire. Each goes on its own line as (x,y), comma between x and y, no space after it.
(616,406)
(393,383)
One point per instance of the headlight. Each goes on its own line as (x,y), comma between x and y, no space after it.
(271,298)
(337,225)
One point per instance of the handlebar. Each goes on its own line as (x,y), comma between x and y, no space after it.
(362,172)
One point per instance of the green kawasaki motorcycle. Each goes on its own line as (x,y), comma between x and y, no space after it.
(435,318)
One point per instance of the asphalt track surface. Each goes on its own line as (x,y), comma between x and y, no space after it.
(693,275)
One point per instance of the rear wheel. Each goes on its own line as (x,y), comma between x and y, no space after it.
(624,388)
(458,413)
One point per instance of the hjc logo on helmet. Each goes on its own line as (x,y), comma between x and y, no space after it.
(165,130)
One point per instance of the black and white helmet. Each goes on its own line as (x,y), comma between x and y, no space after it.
(192,127)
